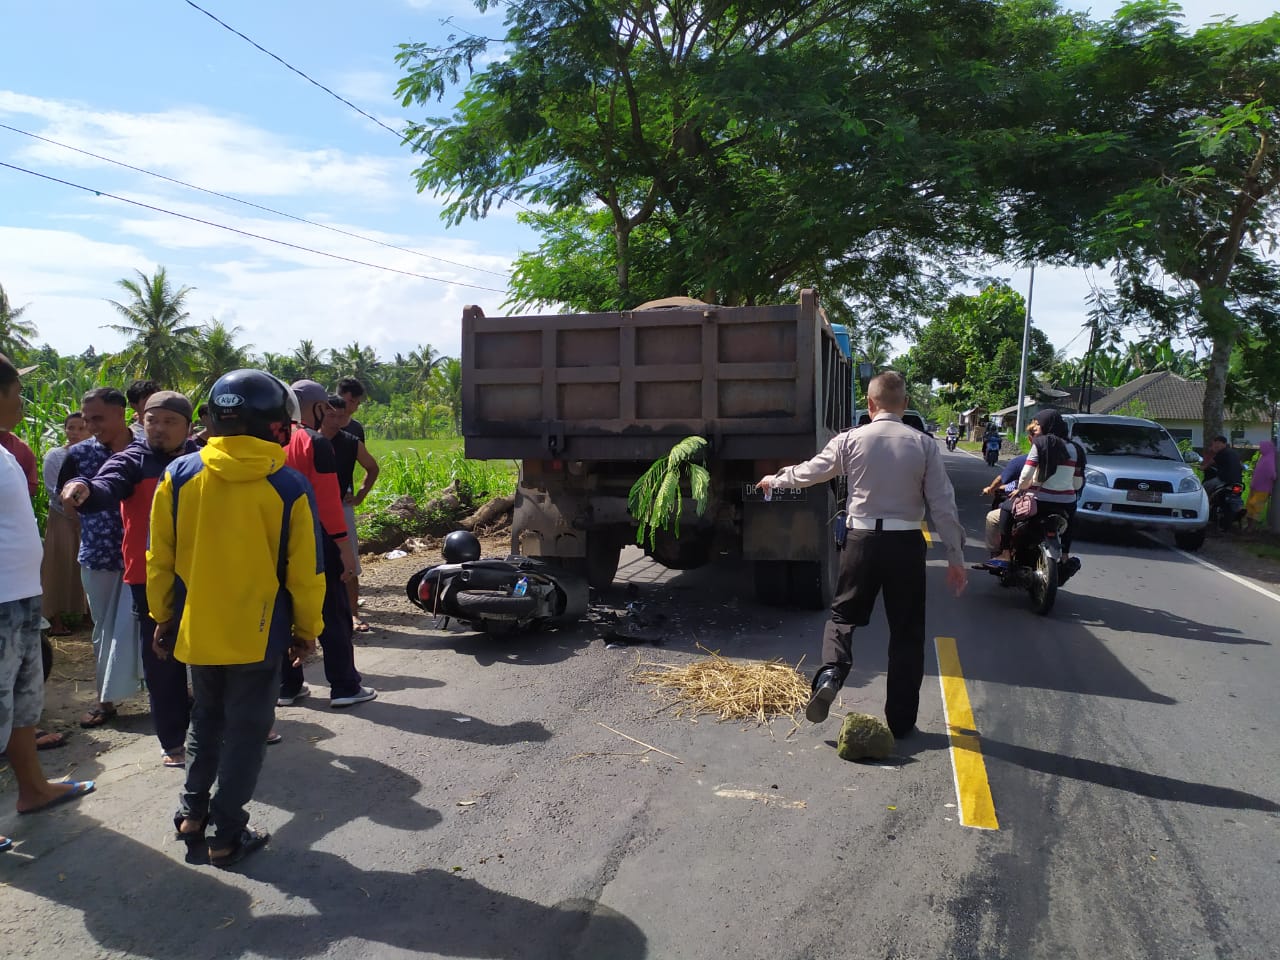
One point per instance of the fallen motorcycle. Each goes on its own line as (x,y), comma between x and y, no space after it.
(1037,555)
(496,596)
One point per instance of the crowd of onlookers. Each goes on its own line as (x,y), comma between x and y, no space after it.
(208,550)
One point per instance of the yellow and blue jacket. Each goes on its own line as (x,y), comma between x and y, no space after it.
(235,553)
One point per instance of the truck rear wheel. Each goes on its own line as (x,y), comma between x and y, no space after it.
(771,583)
(603,553)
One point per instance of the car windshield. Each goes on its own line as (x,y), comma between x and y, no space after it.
(1125,440)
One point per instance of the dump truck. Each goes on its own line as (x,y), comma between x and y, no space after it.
(587,402)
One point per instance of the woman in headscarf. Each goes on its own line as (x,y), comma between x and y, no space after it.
(1054,475)
(1261,484)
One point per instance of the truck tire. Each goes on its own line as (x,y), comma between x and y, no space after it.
(771,583)
(603,553)
(476,604)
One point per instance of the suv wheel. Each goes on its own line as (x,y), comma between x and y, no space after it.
(1189,539)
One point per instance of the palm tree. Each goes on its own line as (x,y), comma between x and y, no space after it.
(356,361)
(445,389)
(307,361)
(15,335)
(161,343)
(217,353)
(422,361)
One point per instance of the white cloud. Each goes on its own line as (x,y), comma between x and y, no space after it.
(217,152)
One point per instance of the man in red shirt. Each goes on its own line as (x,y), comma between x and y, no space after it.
(312,455)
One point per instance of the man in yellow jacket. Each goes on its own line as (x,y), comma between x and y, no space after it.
(234,578)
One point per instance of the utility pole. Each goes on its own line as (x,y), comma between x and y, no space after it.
(1022,373)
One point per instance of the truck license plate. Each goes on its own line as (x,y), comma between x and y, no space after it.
(1144,496)
(790,494)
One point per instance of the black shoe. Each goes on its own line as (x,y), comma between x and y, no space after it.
(825,688)
(1068,569)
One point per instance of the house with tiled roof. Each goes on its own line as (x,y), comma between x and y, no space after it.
(1178,405)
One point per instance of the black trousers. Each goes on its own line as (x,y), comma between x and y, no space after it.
(232,715)
(166,681)
(335,641)
(892,562)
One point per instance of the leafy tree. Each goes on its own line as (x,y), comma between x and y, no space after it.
(217,353)
(161,342)
(975,344)
(1159,152)
(653,140)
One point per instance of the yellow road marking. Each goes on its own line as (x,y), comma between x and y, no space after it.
(973,791)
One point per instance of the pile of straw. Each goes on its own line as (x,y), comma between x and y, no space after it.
(730,690)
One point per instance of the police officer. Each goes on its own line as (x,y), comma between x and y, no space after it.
(894,472)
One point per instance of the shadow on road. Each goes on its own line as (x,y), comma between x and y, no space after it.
(451,725)
(1151,785)
(1097,611)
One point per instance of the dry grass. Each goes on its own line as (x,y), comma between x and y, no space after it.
(728,689)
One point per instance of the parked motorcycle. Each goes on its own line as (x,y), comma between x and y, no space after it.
(496,596)
(1037,554)
(1226,504)
(991,449)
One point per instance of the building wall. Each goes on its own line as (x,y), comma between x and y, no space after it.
(1241,434)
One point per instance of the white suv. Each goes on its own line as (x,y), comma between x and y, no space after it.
(1136,477)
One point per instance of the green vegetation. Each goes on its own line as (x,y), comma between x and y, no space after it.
(655,499)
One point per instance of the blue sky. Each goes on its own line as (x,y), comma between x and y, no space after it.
(159,85)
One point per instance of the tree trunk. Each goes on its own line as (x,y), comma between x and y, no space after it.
(1223,330)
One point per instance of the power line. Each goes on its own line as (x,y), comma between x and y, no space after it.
(247,233)
(288,65)
(399,136)
(247,203)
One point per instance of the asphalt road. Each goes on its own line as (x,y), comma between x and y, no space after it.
(479,809)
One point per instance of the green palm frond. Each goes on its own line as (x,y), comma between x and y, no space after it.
(655,499)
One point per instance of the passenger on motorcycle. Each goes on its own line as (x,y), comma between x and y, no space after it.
(1004,485)
(1054,475)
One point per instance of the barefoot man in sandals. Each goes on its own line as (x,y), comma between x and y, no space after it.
(234,579)
(21,670)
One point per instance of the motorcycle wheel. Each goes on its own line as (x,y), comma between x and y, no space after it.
(1044,581)
(475,605)
(1225,520)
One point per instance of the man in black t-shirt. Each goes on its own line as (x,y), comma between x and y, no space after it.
(350,449)
(352,393)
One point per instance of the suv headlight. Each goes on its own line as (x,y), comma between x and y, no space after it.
(1095,478)
(1188,485)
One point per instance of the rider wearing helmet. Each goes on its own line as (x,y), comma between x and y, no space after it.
(312,455)
(233,582)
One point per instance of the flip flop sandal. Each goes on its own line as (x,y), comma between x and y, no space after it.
(246,843)
(194,836)
(175,758)
(97,717)
(359,626)
(60,740)
(79,788)
(273,738)
(5,844)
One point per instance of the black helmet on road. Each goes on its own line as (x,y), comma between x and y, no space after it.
(461,546)
(253,403)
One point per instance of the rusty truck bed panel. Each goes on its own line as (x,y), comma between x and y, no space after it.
(624,385)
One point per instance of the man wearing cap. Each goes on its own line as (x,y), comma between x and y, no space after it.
(894,472)
(127,483)
(115,629)
(21,452)
(312,455)
(21,672)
